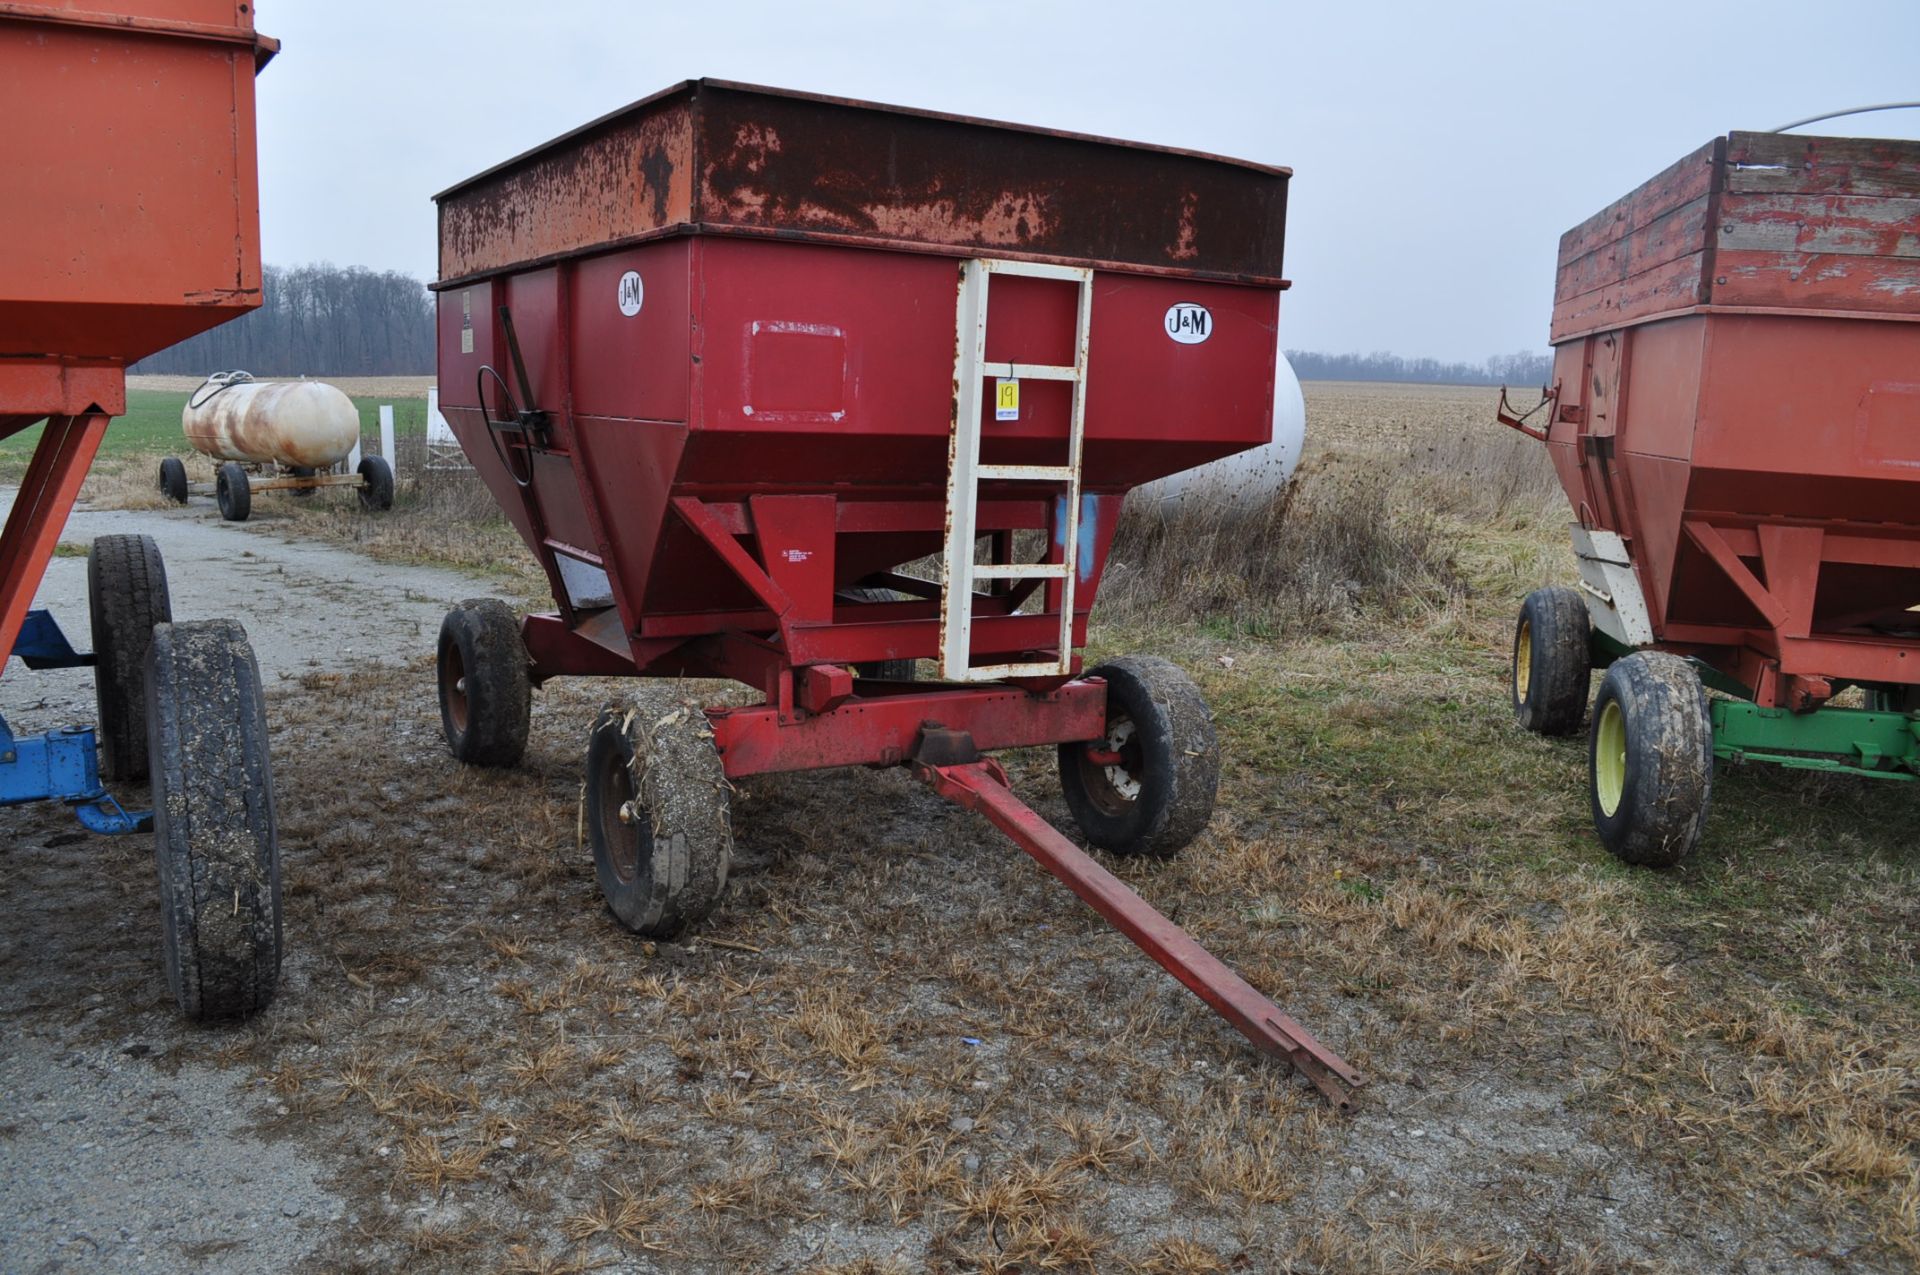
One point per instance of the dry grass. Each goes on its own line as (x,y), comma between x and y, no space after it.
(914,1052)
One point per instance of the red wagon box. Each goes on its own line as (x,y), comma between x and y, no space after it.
(732,359)
(1735,417)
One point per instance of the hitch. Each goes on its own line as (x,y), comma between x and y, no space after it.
(1504,413)
(982,786)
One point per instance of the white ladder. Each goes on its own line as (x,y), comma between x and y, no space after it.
(965,473)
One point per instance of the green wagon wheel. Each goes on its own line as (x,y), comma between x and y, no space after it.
(1650,759)
(1610,758)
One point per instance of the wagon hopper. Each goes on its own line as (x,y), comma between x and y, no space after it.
(1735,417)
(133,223)
(731,358)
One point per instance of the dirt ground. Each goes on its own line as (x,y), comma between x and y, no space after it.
(898,1046)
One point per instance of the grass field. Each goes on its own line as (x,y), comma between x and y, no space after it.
(897,1047)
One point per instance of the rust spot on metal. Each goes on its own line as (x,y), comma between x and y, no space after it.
(799,166)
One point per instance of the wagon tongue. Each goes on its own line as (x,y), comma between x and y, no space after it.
(981,785)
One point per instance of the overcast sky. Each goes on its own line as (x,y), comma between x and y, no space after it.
(1438,149)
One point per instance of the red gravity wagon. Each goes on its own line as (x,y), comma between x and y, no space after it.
(1735,417)
(733,359)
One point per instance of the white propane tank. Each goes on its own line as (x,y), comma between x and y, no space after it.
(1244,478)
(294,424)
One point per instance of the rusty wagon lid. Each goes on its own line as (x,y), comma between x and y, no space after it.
(716,157)
(1756,222)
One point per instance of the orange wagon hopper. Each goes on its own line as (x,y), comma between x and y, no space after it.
(131,223)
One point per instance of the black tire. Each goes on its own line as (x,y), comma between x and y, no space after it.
(884,670)
(1894,699)
(126,596)
(302,471)
(657,817)
(1552,669)
(231,490)
(1651,719)
(1160,795)
(215,835)
(486,695)
(376,484)
(173,479)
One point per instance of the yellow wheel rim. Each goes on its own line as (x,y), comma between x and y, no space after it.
(1610,758)
(1523,661)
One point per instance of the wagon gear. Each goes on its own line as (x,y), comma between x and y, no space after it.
(1735,421)
(178,703)
(808,401)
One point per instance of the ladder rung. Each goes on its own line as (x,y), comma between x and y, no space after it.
(1038,270)
(1031,371)
(1025,473)
(997,672)
(1021,571)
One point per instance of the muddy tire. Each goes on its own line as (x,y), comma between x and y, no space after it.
(173,480)
(1650,759)
(302,471)
(486,695)
(126,596)
(376,484)
(657,806)
(1160,794)
(884,670)
(214,832)
(1552,662)
(232,492)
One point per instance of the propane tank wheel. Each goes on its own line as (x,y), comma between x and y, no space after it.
(657,803)
(173,479)
(376,483)
(1147,786)
(486,696)
(231,490)
(214,831)
(1552,661)
(126,596)
(1650,754)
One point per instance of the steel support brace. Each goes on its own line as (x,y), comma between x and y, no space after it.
(879,727)
(40,509)
(982,786)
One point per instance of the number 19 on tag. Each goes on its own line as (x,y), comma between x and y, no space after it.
(1006,399)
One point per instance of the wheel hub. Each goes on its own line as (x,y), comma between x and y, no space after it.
(1523,660)
(1119,735)
(1610,758)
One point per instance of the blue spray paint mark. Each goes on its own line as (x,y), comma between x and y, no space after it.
(1089,512)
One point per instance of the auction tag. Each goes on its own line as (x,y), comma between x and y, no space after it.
(1006,398)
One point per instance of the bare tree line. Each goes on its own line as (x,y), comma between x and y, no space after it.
(1523,368)
(319,320)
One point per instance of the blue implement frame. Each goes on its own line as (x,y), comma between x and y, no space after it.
(59,765)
